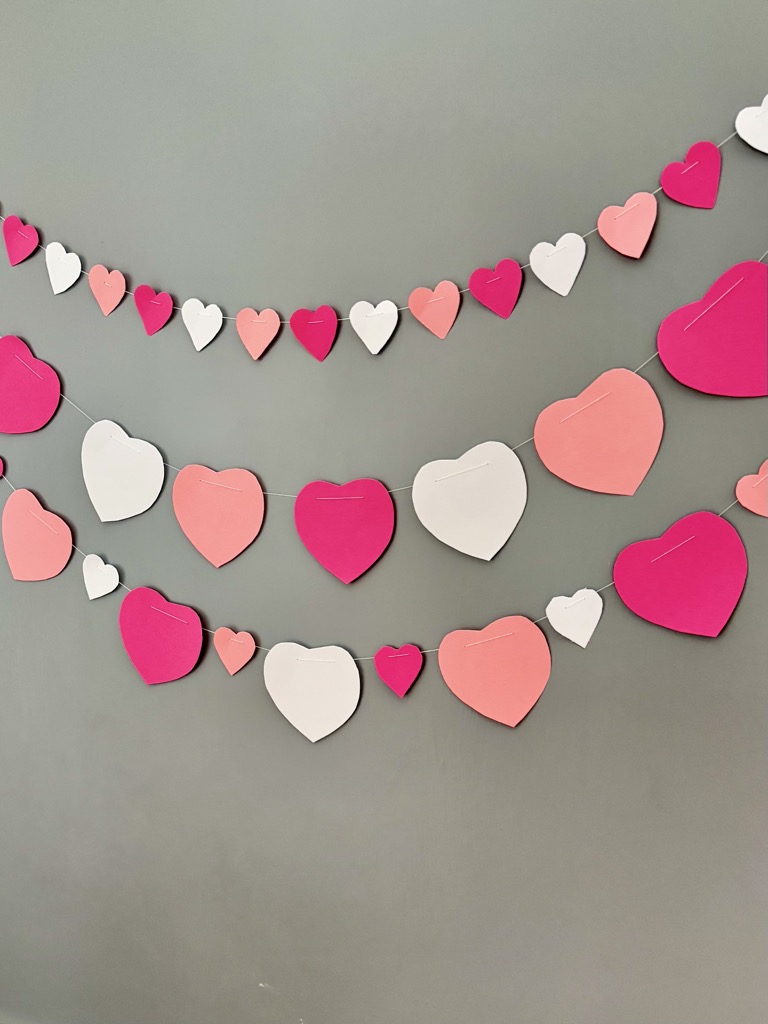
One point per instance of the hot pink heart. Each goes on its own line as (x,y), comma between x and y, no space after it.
(257,330)
(315,329)
(752,491)
(163,640)
(29,388)
(694,181)
(108,287)
(498,289)
(153,307)
(436,309)
(627,228)
(234,649)
(399,667)
(37,543)
(20,239)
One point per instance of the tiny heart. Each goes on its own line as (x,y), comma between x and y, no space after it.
(234,649)
(20,239)
(108,287)
(606,438)
(374,325)
(153,307)
(30,389)
(99,577)
(557,266)
(498,289)
(627,228)
(315,329)
(752,491)
(576,617)
(123,475)
(63,267)
(499,671)
(257,330)
(694,181)
(436,309)
(346,527)
(203,323)
(719,345)
(163,640)
(220,513)
(399,667)
(689,579)
(37,543)
(752,126)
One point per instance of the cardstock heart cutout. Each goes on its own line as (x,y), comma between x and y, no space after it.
(374,325)
(694,181)
(752,126)
(399,667)
(499,671)
(154,308)
(576,617)
(557,266)
(436,309)
(719,345)
(234,649)
(163,640)
(64,268)
(30,389)
(108,287)
(203,323)
(257,331)
(20,239)
(606,438)
(689,579)
(123,475)
(38,543)
(751,491)
(346,527)
(315,329)
(100,577)
(627,228)
(220,513)
(497,289)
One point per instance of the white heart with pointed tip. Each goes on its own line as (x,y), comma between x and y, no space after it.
(316,688)
(203,323)
(472,503)
(752,126)
(99,576)
(576,617)
(375,325)
(557,266)
(123,474)
(63,267)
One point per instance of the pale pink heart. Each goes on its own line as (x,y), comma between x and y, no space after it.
(436,309)
(234,649)
(752,491)
(20,239)
(154,308)
(498,289)
(37,543)
(220,513)
(627,228)
(30,389)
(108,287)
(315,329)
(399,667)
(163,640)
(257,330)
(694,181)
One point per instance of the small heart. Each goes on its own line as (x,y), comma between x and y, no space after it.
(752,126)
(557,266)
(99,577)
(38,544)
(694,181)
(498,289)
(63,267)
(203,323)
(20,239)
(163,640)
(436,309)
(576,617)
(220,513)
(398,667)
(30,389)
(315,329)
(374,325)
(751,491)
(627,228)
(257,330)
(154,308)
(234,649)
(108,287)
(123,475)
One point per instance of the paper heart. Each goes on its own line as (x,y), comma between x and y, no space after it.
(576,617)
(203,323)
(163,640)
(606,438)
(20,239)
(689,579)
(63,267)
(346,527)
(436,309)
(29,388)
(694,181)
(374,325)
(627,228)
(99,577)
(2,467)
(499,671)
(316,688)
(220,513)
(752,126)
(123,474)
(719,345)
(472,503)
(315,329)
(153,307)
(398,667)
(37,543)
(108,287)
(257,330)
(498,289)
(557,266)
(234,649)
(751,491)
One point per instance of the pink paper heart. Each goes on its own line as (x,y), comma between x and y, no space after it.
(346,527)
(436,308)
(498,289)
(108,287)
(694,181)
(29,388)
(2,467)
(234,649)
(37,543)
(20,239)
(163,640)
(153,307)
(719,345)
(315,329)
(398,667)
(689,579)
(627,228)
(220,513)
(257,330)
(752,491)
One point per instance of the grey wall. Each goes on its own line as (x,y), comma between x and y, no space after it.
(179,854)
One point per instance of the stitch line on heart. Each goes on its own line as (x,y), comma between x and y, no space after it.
(489,639)
(48,525)
(714,303)
(626,211)
(28,366)
(696,164)
(760,480)
(460,472)
(215,483)
(692,537)
(587,406)
(170,616)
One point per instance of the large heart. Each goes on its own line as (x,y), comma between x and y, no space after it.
(220,513)
(606,438)
(345,527)
(163,640)
(627,228)
(315,329)
(557,266)
(398,667)
(203,323)
(752,491)
(154,308)
(123,474)
(689,579)
(374,325)
(719,345)
(752,126)
(499,671)
(257,330)
(29,388)
(234,649)
(64,268)
(20,239)
(108,287)
(37,543)
(436,308)
(498,289)
(694,181)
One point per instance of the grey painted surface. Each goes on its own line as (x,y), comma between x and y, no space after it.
(180,854)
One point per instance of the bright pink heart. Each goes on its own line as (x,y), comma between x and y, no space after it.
(163,640)
(694,181)
(257,330)
(498,289)
(751,491)
(436,309)
(108,287)
(346,527)
(315,329)
(627,228)
(153,307)
(719,345)
(220,513)
(20,239)
(399,667)
(37,543)
(234,649)
(689,579)
(29,388)
(2,467)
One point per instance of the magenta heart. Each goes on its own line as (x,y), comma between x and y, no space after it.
(20,239)
(498,289)
(163,640)
(29,388)
(399,667)
(154,308)
(315,329)
(719,345)
(689,579)
(694,181)
(345,527)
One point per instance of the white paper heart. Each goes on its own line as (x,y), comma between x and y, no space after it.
(63,267)
(202,322)
(316,688)
(472,503)
(557,266)
(375,325)
(123,474)
(576,617)
(99,576)
(752,126)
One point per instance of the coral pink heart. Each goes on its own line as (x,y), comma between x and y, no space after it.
(627,228)
(752,491)
(498,289)
(719,345)
(234,649)
(689,579)
(20,239)
(220,513)
(38,544)
(436,308)
(153,307)
(399,667)
(108,287)
(163,640)
(29,388)
(315,329)
(346,527)
(257,330)
(695,180)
